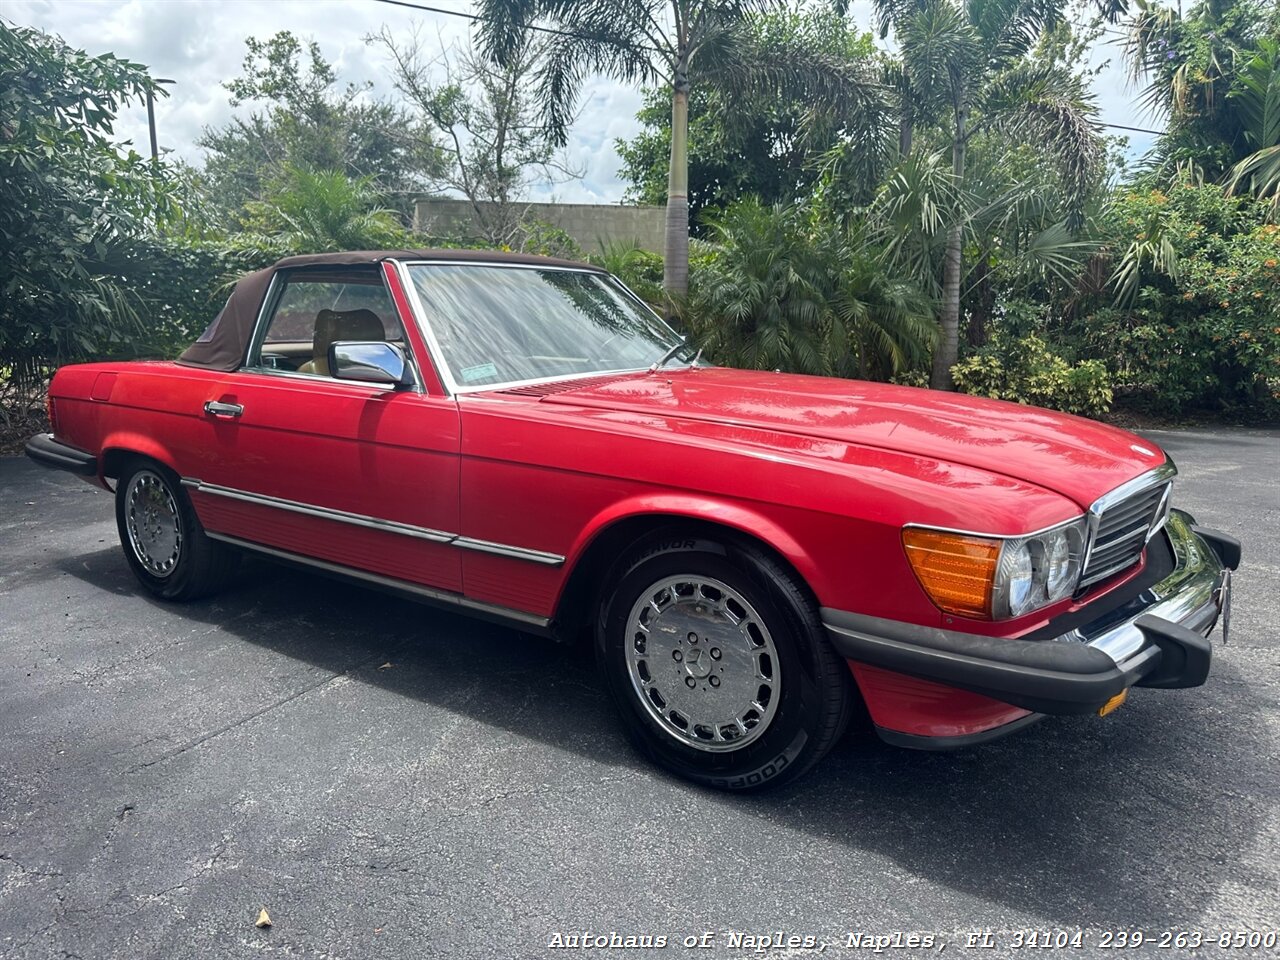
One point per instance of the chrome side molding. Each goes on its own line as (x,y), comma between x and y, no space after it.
(377,523)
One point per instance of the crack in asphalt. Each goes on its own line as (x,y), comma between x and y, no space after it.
(29,871)
(275,705)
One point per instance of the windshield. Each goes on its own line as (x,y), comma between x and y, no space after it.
(498,324)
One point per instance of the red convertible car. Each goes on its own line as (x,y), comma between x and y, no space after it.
(751,553)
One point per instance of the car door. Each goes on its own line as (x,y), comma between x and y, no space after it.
(352,474)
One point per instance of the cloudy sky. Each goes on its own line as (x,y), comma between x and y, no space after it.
(200,45)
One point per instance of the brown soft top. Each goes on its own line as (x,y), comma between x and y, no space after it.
(223,345)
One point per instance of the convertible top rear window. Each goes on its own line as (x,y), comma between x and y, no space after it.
(503,324)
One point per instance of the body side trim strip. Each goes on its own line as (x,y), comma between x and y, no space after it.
(376,523)
(505,614)
(503,550)
(324,513)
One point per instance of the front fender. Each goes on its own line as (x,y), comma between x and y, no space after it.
(745,519)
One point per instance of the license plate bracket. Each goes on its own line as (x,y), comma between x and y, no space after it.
(1222,597)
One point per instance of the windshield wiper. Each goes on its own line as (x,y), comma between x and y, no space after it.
(662,361)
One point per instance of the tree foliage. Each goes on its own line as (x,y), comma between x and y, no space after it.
(967,71)
(310,211)
(1201,327)
(771,147)
(306,119)
(496,140)
(1257,98)
(1191,65)
(775,289)
(81,217)
(675,43)
(1026,370)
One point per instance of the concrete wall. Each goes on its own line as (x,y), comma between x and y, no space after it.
(587,223)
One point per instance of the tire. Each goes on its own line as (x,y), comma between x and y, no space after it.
(164,544)
(764,699)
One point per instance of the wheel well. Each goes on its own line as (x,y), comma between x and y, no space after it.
(592,568)
(115,460)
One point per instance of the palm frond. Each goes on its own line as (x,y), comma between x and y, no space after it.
(1049,106)
(1257,96)
(940,49)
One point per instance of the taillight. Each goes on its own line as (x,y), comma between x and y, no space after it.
(51,411)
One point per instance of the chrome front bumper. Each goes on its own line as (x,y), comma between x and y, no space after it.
(1156,638)
(1194,596)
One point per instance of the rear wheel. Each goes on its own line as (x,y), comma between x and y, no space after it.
(715,656)
(163,541)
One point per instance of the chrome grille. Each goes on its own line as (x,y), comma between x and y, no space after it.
(1122,521)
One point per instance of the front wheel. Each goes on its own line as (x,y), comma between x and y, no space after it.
(163,541)
(715,656)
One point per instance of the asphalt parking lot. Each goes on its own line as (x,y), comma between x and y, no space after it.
(392,781)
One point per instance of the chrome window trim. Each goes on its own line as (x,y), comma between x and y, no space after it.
(418,590)
(259,339)
(416,387)
(425,329)
(260,324)
(377,523)
(451,386)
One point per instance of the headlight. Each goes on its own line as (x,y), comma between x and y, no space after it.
(995,578)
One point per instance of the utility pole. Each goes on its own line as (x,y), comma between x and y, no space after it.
(151,121)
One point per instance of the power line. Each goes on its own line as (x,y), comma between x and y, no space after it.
(1121,126)
(477,18)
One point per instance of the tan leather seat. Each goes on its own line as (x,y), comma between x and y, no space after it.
(333,326)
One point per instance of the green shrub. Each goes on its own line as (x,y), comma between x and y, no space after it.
(546,240)
(773,289)
(1027,371)
(76,211)
(638,268)
(1202,331)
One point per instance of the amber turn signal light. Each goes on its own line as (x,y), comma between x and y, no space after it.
(1113,703)
(957,571)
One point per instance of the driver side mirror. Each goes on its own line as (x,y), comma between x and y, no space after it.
(374,361)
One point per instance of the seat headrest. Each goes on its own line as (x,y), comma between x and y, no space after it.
(335,325)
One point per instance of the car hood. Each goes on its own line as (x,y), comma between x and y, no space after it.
(1077,458)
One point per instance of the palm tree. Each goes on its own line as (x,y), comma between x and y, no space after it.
(1215,73)
(779,291)
(964,68)
(313,211)
(672,42)
(1258,99)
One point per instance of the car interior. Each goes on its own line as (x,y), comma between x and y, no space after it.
(316,309)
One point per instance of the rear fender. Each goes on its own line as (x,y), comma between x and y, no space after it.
(124,442)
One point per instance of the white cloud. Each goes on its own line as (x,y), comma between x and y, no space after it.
(200,45)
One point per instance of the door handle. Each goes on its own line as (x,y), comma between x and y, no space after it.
(216,408)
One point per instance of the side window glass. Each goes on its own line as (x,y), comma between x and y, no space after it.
(310,313)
